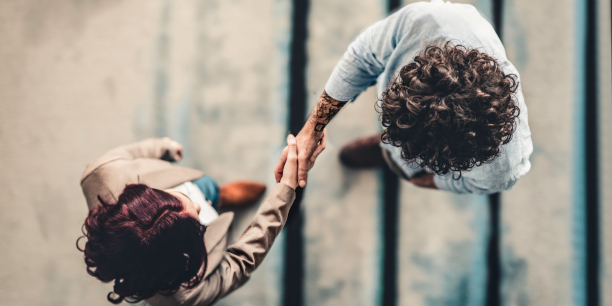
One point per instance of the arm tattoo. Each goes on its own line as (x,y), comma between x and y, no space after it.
(324,112)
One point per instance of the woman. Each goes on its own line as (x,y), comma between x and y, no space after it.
(150,239)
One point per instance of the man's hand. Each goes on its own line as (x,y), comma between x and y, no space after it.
(309,148)
(424,179)
(304,163)
(312,135)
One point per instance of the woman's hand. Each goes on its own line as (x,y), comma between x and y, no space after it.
(289,174)
(281,167)
(174,151)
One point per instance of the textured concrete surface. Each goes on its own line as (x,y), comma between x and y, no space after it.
(70,84)
(538,255)
(442,248)
(80,77)
(341,206)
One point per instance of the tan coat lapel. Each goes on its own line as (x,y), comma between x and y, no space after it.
(215,240)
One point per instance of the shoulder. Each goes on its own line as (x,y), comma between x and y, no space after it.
(110,156)
(106,181)
(434,20)
(437,8)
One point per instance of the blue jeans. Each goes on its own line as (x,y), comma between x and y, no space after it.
(210,189)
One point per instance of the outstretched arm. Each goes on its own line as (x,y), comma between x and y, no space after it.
(162,148)
(311,137)
(325,110)
(312,133)
(248,252)
(360,66)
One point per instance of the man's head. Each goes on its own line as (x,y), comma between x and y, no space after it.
(150,242)
(450,110)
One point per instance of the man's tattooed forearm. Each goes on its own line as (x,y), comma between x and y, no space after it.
(324,112)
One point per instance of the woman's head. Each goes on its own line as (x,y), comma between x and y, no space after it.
(149,242)
(450,110)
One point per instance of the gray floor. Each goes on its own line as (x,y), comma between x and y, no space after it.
(80,77)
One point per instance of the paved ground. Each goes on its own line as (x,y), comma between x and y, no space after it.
(80,77)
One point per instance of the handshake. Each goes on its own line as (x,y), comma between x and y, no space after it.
(295,162)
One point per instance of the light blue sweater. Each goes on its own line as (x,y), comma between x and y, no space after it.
(378,54)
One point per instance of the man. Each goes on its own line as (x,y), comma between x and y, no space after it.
(451,104)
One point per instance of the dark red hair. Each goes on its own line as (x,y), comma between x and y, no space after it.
(147,243)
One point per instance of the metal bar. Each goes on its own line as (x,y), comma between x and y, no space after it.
(294,245)
(390,189)
(591,156)
(493,252)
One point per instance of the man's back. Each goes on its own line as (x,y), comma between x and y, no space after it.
(378,54)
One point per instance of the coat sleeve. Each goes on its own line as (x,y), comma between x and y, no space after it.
(158,148)
(247,253)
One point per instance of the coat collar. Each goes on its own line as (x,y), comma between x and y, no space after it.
(215,240)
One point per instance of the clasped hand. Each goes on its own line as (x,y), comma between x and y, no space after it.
(305,150)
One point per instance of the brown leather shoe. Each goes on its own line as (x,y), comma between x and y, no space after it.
(363,153)
(240,195)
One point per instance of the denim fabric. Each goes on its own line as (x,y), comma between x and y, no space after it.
(377,55)
(210,189)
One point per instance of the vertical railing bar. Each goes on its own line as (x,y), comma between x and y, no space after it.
(390,200)
(392,6)
(592,158)
(390,227)
(493,253)
(293,294)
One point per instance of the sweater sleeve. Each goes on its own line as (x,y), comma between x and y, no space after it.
(366,57)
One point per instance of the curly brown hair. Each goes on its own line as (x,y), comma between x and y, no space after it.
(450,110)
